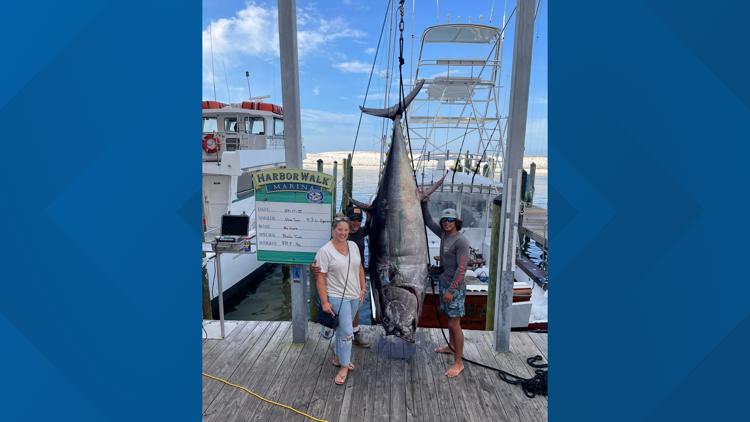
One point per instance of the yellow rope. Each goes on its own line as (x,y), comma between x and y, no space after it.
(263,398)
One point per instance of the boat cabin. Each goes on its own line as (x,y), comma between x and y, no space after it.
(248,125)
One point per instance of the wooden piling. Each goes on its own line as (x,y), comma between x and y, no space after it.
(344,184)
(313,288)
(349,183)
(206,292)
(335,182)
(494,252)
(532,177)
(320,165)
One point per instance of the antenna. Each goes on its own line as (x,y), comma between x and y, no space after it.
(213,75)
(226,79)
(247,76)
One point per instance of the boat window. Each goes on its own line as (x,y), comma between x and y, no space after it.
(209,124)
(255,126)
(245,186)
(278,127)
(230,124)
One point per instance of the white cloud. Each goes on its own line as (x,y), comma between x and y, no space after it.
(353,67)
(370,51)
(444,74)
(357,66)
(316,91)
(253,33)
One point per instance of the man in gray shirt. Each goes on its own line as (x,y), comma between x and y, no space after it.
(454,256)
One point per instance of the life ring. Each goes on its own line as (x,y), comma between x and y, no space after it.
(211,144)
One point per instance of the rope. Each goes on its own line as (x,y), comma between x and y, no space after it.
(263,398)
(372,69)
(401,92)
(484,153)
(536,385)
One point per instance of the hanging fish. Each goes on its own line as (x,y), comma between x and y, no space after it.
(398,245)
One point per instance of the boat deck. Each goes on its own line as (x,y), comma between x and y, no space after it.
(393,381)
(535,225)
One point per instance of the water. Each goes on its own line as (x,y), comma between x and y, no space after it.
(266,296)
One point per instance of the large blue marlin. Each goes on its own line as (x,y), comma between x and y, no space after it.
(398,246)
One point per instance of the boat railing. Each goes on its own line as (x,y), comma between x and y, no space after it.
(432,164)
(233,141)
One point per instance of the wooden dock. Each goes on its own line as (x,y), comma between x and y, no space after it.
(393,381)
(534,225)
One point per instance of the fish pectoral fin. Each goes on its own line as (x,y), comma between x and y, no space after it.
(435,187)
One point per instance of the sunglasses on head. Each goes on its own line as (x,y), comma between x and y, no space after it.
(447,219)
(339,219)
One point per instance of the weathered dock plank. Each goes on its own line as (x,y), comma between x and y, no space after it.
(517,405)
(541,342)
(381,395)
(486,382)
(224,363)
(230,401)
(393,381)
(360,407)
(424,384)
(462,402)
(288,389)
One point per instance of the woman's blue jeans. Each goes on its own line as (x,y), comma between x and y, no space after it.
(344,332)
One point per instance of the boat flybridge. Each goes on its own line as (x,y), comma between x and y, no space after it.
(456,129)
(455,125)
(237,139)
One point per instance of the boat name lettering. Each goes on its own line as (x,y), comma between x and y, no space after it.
(291,187)
(307,177)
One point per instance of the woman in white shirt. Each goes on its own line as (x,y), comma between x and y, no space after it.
(341,288)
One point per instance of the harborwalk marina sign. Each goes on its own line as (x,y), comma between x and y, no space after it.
(292,214)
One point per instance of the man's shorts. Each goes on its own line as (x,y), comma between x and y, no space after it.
(454,309)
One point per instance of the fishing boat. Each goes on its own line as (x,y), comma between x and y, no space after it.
(456,130)
(237,139)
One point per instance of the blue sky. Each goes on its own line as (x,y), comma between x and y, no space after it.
(336,41)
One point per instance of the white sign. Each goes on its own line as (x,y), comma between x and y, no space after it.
(292,227)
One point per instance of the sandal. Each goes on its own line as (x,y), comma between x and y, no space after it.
(339,380)
(335,362)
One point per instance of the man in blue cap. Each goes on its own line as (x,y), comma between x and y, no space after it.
(357,235)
